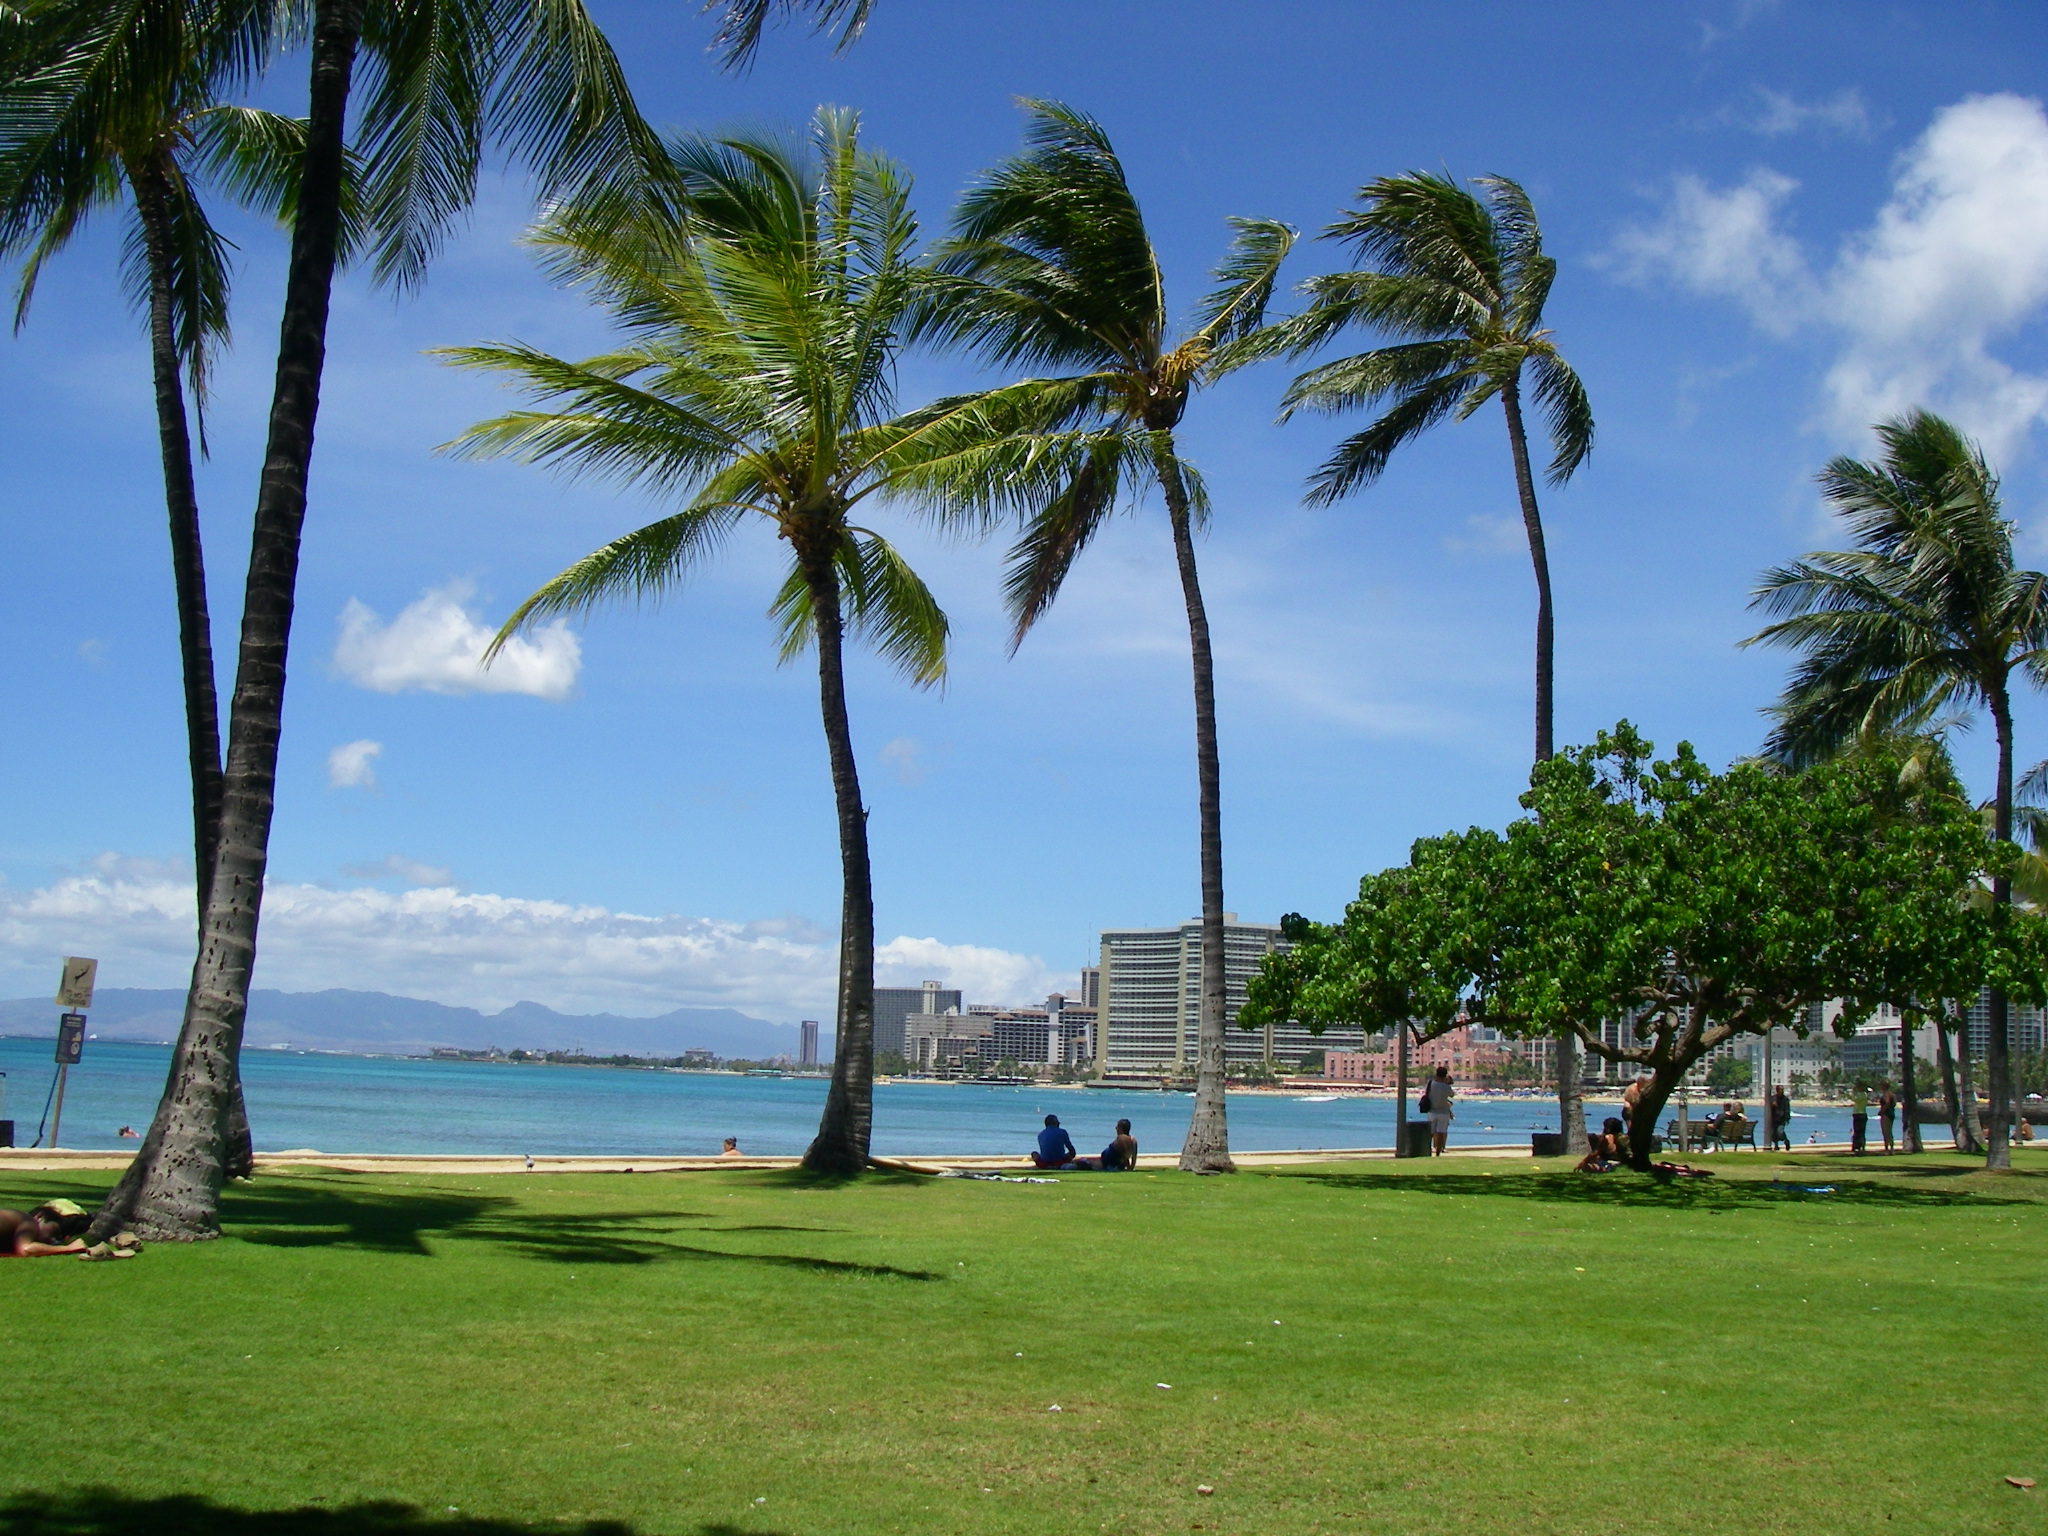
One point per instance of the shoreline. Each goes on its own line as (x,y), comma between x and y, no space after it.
(44,1160)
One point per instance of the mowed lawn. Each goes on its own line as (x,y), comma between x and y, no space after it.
(1474,1345)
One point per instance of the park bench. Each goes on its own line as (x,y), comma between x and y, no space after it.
(1735,1132)
(1702,1137)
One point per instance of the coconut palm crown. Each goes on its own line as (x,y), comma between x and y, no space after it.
(756,383)
(1928,613)
(1053,268)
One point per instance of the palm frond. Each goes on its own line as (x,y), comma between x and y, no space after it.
(1058,230)
(1057,532)
(647,562)
(741,23)
(1235,307)
(1566,412)
(1362,458)
(1924,614)
(884,603)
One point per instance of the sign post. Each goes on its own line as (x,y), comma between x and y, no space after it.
(74,991)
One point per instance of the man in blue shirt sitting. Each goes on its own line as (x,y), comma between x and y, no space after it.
(1055,1146)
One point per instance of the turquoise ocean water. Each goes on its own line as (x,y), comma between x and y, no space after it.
(394,1104)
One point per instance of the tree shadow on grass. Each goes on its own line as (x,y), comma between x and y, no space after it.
(324,1214)
(103,1512)
(1642,1190)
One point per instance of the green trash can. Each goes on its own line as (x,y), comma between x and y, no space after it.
(1546,1143)
(1415,1139)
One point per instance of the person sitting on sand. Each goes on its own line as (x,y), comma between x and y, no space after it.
(1055,1146)
(732,1147)
(47,1232)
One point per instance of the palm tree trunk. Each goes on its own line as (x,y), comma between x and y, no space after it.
(1998,1054)
(152,186)
(175,1191)
(1909,1092)
(1966,1084)
(846,1127)
(1207,1148)
(1944,1058)
(1571,1109)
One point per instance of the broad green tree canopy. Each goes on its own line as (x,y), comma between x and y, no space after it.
(1695,905)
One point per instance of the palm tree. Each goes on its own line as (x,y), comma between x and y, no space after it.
(1460,280)
(1055,269)
(757,380)
(138,118)
(535,77)
(1928,612)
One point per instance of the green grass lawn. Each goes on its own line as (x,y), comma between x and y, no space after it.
(1467,1346)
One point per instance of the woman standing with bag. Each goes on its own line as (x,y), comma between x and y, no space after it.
(1436,1103)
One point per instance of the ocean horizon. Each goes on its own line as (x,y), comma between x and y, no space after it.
(343,1102)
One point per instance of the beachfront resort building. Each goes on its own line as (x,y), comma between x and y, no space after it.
(1149,983)
(1471,1051)
(893,1005)
(1061,1034)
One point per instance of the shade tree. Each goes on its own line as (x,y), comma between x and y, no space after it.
(1691,907)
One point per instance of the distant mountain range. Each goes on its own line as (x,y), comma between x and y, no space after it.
(380,1024)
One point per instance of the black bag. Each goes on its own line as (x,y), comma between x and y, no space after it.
(1422,1103)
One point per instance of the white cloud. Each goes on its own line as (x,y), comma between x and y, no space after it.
(1489,536)
(986,975)
(1776,113)
(397,866)
(437,643)
(349,765)
(902,754)
(1727,244)
(473,949)
(1957,257)
(1955,261)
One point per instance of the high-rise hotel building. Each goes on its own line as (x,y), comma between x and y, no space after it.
(1148,987)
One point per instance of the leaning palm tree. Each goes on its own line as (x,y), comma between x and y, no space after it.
(1459,281)
(537,79)
(1928,612)
(756,385)
(1054,268)
(123,106)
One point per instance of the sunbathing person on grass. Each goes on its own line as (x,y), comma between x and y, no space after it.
(53,1230)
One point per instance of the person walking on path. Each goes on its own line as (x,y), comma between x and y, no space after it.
(1781,1120)
(1859,1118)
(1436,1103)
(1887,1113)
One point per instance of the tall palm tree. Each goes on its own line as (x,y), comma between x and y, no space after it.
(1927,613)
(538,79)
(99,107)
(1054,268)
(756,380)
(1460,281)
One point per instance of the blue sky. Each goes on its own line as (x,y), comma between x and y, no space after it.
(1774,221)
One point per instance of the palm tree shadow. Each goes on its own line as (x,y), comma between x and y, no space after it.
(105,1512)
(334,1214)
(1650,1190)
